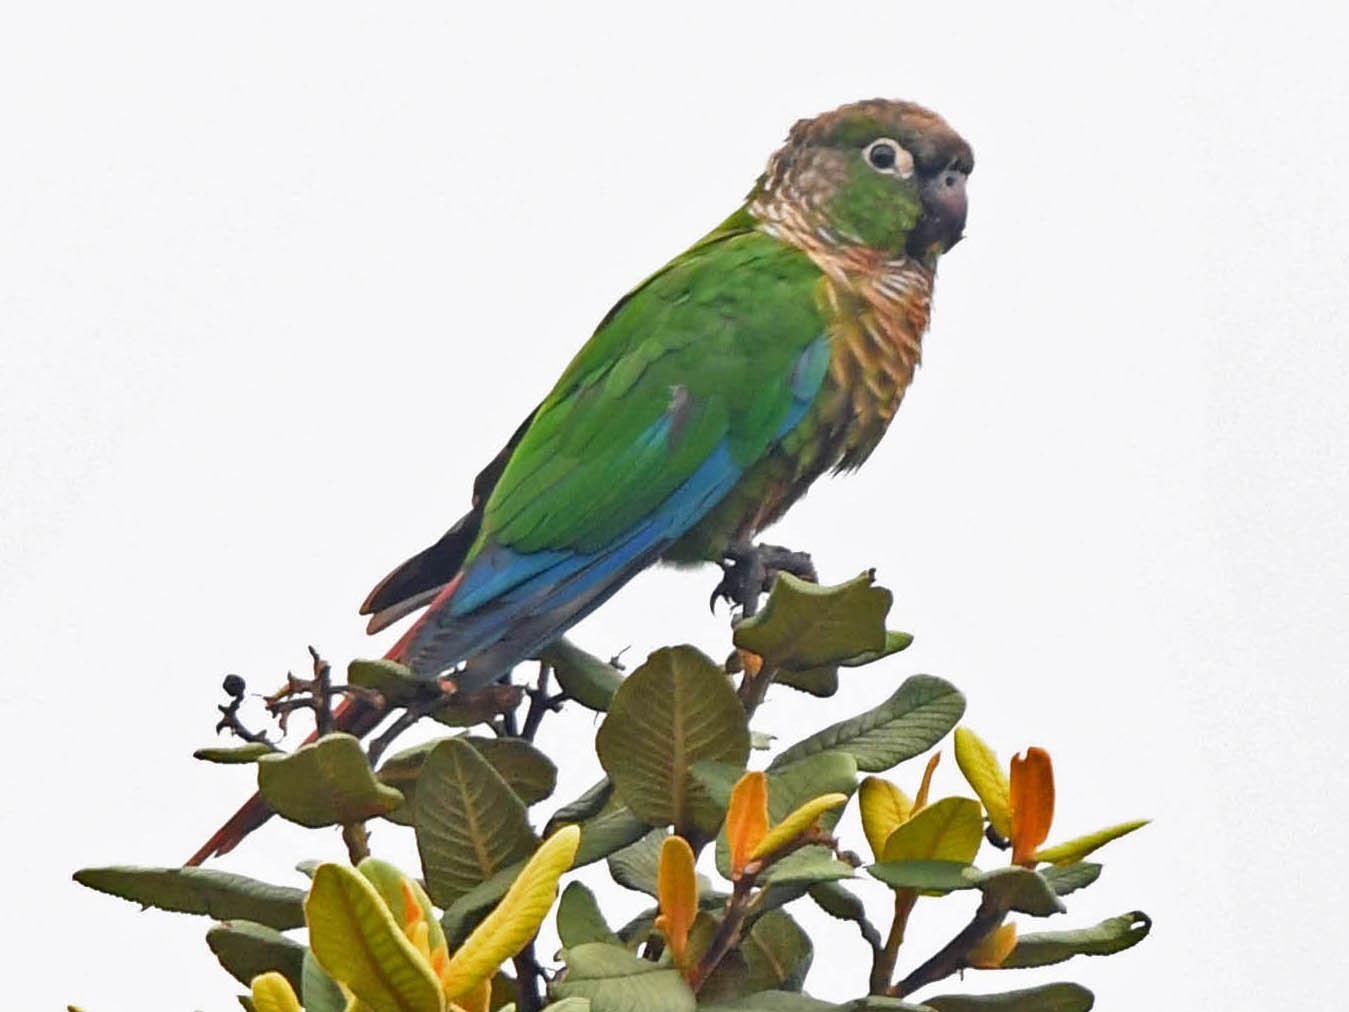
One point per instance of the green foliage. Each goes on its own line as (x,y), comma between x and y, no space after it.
(674,710)
(326,783)
(219,894)
(674,743)
(469,823)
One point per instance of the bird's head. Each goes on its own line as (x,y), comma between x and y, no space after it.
(887,175)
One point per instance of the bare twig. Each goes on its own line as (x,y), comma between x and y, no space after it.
(528,978)
(951,956)
(235,687)
(356,838)
(540,703)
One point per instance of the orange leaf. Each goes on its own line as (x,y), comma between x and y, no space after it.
(921,799)
(993,948)
(746,818)
(1032,801)
(678,891)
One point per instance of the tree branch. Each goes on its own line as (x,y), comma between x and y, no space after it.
(951,957)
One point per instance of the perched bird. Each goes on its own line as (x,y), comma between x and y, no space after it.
(774,349)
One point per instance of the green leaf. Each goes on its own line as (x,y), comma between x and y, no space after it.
(674,710)
(1060,997)
(836,900)
(637,866)
(616,981)
(320,993)
(1020,889)
(515,920)
(218,894)
(394,681)
(792,785)
(470,824)
(1012,888)
(246,949)
(803,625)
(579,919)
(932,877)
(1075,850)
(823,680)
(526,770)
(777,953)
(911,721)
(356,940)
(389,882)
(1068,878)
(786,1001)
(789,787)
(583,676)
(325,783)
(1043,948)
(606,823)
(249,753)
(810,864)
(612,829)
(465,913)
(587,805)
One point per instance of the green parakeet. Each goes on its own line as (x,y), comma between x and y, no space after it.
(776,348)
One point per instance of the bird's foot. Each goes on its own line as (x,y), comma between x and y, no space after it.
(747,571)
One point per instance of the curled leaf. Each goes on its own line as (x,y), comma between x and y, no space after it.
(355,938)
(948,830)
(797,823)
(678,890)
(272,993)
(1076,849)
(984,773)
(989,952)
(1032,797)
(514,920)
(884,806)
(746,818)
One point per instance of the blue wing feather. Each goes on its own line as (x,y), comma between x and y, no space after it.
(511,604)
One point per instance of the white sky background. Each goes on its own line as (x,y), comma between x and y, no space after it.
(275,282)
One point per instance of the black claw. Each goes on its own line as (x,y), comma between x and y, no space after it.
(749,570)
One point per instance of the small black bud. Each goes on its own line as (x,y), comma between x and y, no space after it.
(233,686)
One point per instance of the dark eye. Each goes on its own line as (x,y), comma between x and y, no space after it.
(887,156)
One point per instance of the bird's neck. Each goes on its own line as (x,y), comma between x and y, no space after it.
(878,305)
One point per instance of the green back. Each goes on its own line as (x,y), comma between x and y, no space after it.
(700,354)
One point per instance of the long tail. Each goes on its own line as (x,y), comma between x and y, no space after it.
(353,715)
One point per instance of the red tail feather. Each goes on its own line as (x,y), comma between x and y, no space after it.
(352,715)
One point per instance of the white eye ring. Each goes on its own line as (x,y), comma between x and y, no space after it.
(889,157)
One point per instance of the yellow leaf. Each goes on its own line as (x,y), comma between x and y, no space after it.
(477,1000)
(1076,850)
(272,993)
(884,807)
(989,952)
(920,801)
(1032,796)
(514,920)
(797,823)
(984,773)
(678,893)
(354,936)
(746,818)
(406,900)
(949,830)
